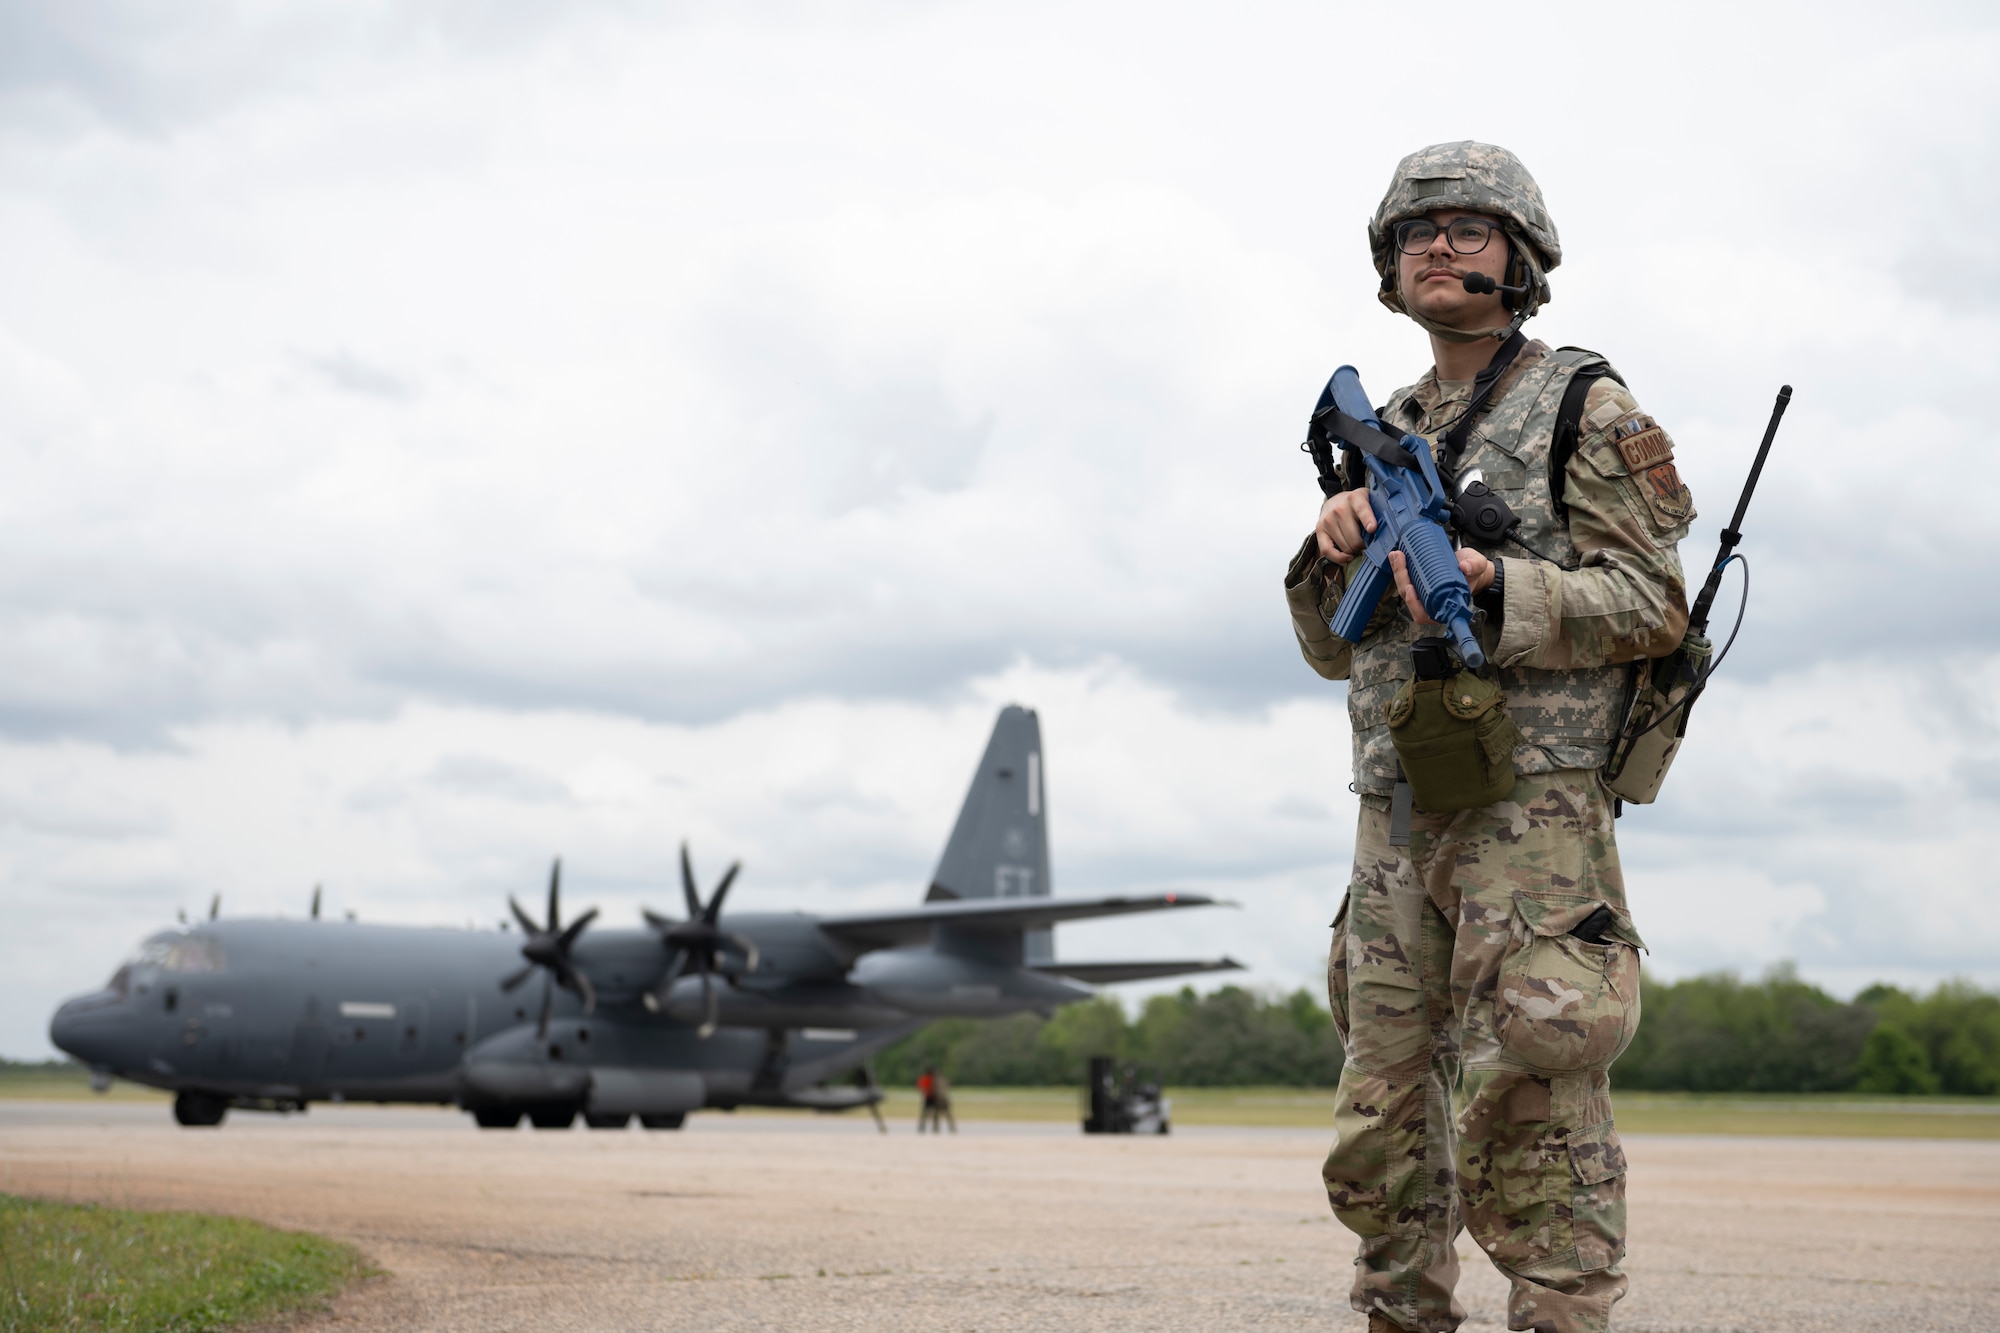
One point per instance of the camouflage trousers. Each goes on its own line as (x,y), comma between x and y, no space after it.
(1478,1033)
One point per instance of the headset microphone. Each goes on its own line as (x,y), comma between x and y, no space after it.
(1481,285)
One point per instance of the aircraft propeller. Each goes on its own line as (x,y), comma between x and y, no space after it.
(548,949)
(698,941)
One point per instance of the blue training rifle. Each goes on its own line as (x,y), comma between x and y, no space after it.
(1410,513)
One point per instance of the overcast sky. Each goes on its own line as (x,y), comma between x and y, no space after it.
(438,436)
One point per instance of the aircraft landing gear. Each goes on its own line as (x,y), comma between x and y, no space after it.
(200,1108)
(607,1121)
(497,1117)
(552,1117)
(671,1120)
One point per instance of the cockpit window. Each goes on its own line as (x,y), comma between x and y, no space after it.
(178,953)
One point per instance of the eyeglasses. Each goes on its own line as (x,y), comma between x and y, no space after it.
(1467,236)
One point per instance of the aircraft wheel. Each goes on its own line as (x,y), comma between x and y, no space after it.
(671,1120)
(1164,1127)
(199,1108)
(497,1117)
(552,1117)
(607,1121)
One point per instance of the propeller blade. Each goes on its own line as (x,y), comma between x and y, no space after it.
(711,1006)
(548,1002)
(555,895)
(514,982)
(656,998)
(576,928)
(721,891)
(744,946)
(586,990)
(215,907)
(687,884)
(528,925)
(315,913)
(655,920)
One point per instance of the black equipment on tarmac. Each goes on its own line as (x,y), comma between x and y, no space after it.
(1124,1102)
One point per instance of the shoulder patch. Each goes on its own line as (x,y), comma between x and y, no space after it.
(1670,500)
(1646,449)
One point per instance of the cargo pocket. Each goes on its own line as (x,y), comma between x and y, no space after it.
(1597,1203)
(1565,1004)
(1336,969)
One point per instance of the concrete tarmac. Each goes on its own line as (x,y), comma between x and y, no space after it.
(743,1222)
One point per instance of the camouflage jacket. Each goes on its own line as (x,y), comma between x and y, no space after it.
(1565,635)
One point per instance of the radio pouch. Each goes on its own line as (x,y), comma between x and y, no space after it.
(1658,719)
(1454,737)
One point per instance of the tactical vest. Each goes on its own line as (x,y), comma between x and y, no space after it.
(1567,718)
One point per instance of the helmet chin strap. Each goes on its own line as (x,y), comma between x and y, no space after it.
(1452,335)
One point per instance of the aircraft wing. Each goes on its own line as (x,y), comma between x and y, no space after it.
(912,925)
(1103,974)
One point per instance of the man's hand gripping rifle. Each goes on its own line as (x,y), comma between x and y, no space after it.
(1410,514)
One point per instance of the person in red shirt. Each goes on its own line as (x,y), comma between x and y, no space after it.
(936,1112)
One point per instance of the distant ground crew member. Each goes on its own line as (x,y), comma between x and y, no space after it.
(936,1112)
(1484,969)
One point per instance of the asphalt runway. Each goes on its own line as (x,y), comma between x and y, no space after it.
(756,1222)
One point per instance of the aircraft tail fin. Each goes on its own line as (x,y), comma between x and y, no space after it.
(999,848)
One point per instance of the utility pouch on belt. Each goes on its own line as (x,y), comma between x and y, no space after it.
(1658,720)
(1453,734)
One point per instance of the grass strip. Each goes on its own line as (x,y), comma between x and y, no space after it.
(81,1267)
(65,1086)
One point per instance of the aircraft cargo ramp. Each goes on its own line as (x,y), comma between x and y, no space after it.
(754,1222)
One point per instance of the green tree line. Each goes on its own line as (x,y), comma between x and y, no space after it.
(1717,1033)
(1713,1033)
(1228,1037)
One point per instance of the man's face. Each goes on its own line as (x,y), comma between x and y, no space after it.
(1432,283)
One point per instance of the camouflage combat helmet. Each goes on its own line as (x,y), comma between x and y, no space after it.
(1483,179)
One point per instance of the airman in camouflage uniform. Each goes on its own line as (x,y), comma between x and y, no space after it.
(1478,1027)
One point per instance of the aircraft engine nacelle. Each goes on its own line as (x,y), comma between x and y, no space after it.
(940,985)
(837,1006)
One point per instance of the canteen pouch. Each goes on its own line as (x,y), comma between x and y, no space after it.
(1646,747)
(1456,741)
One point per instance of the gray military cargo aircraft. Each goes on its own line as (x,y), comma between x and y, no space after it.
(762,1009)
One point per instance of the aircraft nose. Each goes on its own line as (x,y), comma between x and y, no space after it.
(63,1028)
(72,1030)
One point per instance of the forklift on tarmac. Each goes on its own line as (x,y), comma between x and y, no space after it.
(1125,1101)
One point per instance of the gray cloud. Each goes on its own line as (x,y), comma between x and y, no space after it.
(482,775)
(344,371)
(147,69)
